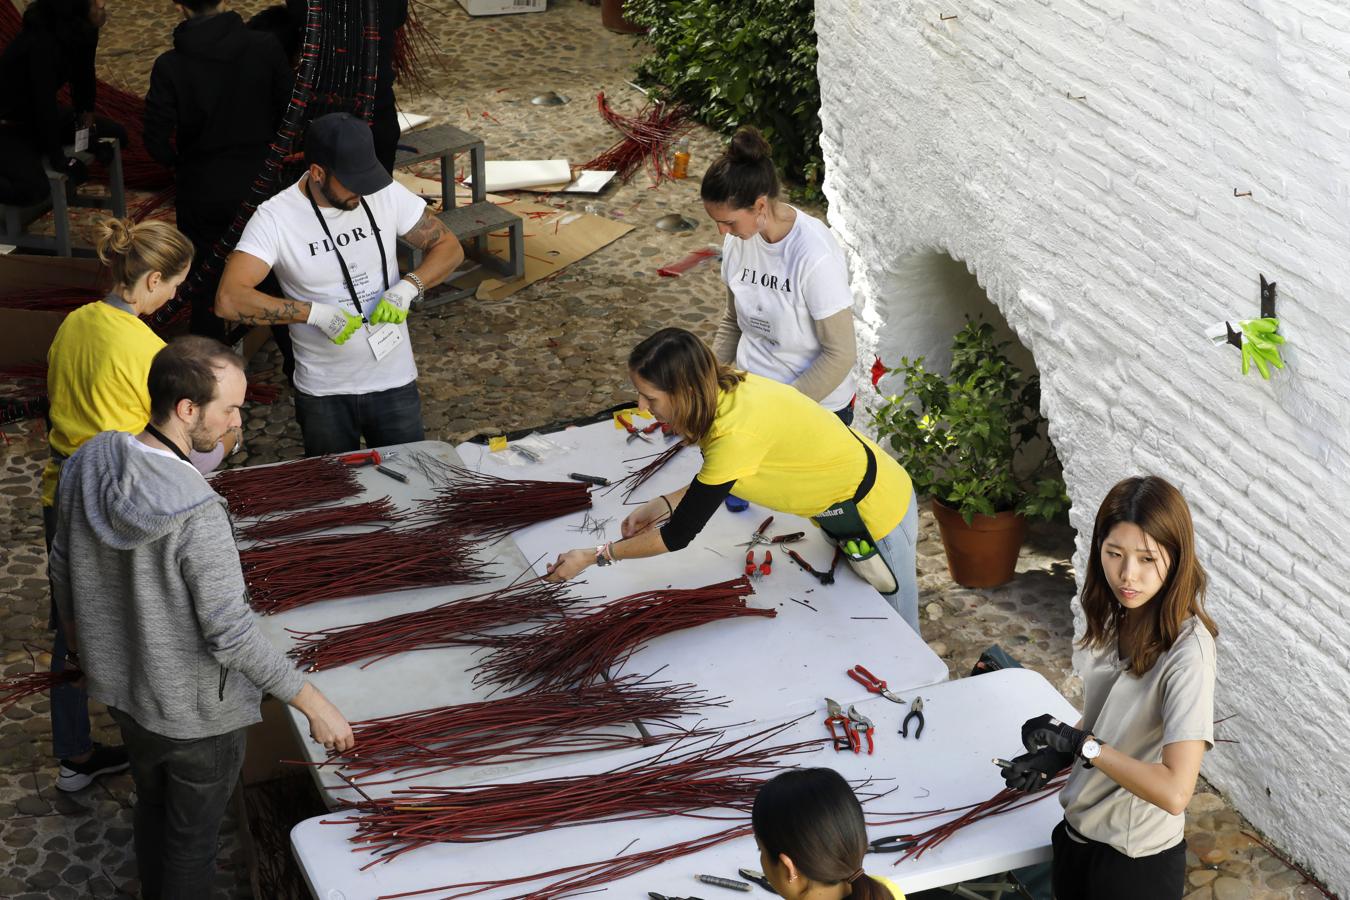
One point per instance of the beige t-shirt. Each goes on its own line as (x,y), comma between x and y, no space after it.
(1172,702)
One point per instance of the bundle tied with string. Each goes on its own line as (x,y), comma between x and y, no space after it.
(582,649)
(718,780)
(287,574)
(647,138)
(538,724)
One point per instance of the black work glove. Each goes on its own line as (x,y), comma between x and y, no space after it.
(1047,731)
(102,150)
(75,170)
(1031,771)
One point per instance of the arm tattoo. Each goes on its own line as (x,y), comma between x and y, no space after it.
(426,232)
(287,312)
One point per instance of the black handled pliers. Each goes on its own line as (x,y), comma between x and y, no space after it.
(893,844)
(915,712)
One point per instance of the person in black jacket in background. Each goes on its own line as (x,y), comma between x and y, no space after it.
(213,108)
(384,119)
(55,46)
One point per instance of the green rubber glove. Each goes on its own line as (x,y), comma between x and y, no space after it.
(333,321)
(387,313)
(1261,345)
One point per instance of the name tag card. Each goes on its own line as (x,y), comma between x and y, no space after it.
(383,339)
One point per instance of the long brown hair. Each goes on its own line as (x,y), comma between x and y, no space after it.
(678,362)
(812,817)
(1158,508)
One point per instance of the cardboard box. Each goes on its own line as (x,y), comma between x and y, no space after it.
(25,335)
(502,7)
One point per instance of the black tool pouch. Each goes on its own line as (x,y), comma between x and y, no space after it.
(842,523)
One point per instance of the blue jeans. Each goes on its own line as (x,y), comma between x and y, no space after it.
(182,787)
(337,423)
(898,548)
(70,704)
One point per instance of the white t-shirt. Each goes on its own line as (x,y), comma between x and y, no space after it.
(780,289)
(285,234)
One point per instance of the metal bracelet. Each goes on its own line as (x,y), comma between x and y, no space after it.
(417,283)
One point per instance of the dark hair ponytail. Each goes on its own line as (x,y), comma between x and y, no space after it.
(812,817)
(743,173)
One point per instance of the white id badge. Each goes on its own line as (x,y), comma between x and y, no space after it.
(383,339)
(81,140)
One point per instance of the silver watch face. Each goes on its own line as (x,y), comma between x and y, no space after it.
(1091,749)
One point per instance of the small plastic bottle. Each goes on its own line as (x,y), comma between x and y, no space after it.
(680,160)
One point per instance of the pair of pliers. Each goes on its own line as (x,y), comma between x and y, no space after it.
(764,568)
(361,458)
(915,712)
(893,844)
(758,537)
(633,433)
(780,539)
(824,578)
(849,740)
(873,684)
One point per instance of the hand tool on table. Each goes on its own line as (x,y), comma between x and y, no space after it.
(915,712)
(719,881)
(396,475)
(849,740)
(763,569)
(363,458)
(655,896)
(873,684)
(825,578)
(757,877)
(589,479)
(861,726)
(893,844)
(780,539)
(633,433)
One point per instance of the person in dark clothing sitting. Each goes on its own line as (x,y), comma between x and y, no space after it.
(55,47)
(213,108)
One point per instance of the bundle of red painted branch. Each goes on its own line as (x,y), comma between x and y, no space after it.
(293,485)
(490,507)
(18,687)
(692,781)
(647,137)
(63,299)
(413,48)
(514,729)
(582,649)
(275,525)
(445,625)
(1005,800)
(288,574)
(636,479)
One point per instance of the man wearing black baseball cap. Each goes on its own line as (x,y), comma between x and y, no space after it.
(330,239)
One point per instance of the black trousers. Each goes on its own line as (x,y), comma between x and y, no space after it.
(1097,871)
(22,178)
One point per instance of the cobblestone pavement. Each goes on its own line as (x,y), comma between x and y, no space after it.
(553,351)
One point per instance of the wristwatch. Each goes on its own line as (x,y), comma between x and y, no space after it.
(1090,750)
(602,557)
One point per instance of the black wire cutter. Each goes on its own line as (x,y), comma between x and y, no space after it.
(915,712)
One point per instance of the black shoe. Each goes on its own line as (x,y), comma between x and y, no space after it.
(76,776)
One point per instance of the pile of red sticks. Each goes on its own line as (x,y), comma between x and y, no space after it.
(490,507)
(19,687)
(722,776)
(647,138)
(582,649)
(293,485)
(636,479)
(275,525)
(288,574)
(444,625)
(528,726)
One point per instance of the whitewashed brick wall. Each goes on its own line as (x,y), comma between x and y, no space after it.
(1106,232)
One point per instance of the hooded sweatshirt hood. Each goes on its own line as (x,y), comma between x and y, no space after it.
(132,496)
(220,36)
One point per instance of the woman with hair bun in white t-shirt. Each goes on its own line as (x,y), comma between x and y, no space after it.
(789,313)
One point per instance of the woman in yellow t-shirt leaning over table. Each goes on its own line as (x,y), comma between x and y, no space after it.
(776,447)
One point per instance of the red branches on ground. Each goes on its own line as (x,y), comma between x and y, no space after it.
(444,625)
(260,490)
(647,138)
(19,687)
(491,507)
(277,525)
(723,776)
(288,574)
(515,729)
(582,649)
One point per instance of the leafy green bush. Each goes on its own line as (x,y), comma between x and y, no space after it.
(741,62)
(959,436)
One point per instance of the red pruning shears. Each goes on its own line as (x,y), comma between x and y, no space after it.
(633,433)
(364,458)
(763,569)
(861,726)
(822,577)
(849,740)
(873,684)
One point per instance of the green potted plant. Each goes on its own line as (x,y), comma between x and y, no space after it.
(962,438)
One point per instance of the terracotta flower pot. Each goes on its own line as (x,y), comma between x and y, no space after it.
(612,17)
(983,553)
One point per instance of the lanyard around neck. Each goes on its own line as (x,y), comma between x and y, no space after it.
(159,436)
(342,263)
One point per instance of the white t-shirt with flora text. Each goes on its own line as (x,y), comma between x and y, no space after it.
(780,290)
(285,234)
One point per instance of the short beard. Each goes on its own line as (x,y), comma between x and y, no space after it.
(328,195)
(200,438)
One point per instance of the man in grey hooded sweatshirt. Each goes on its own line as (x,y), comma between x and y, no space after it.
(146,577)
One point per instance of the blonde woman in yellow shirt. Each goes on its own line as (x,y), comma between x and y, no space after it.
(97,370)
(777,448)
(812,839)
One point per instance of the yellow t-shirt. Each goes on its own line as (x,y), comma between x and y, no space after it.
(97,372)
(889,885)
(787,452)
